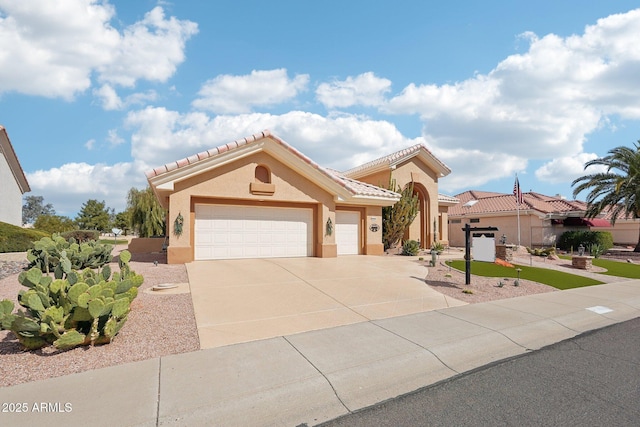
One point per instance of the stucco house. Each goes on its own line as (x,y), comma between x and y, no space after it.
(543,218)
(13,182)
(259,197)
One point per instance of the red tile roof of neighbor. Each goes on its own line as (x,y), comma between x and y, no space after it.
(488,202)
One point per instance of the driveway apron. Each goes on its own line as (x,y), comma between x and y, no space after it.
(251,299)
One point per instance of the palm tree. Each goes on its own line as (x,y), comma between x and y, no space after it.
(617,189)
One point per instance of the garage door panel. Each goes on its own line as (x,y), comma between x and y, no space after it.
(347,232)
(223,231)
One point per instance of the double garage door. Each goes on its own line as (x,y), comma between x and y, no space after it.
(226,232)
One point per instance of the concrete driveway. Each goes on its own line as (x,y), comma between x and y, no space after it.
(251,299)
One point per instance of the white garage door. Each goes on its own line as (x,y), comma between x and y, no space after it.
(224,232)
(348,232)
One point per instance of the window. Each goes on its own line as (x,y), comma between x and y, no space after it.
(263,174)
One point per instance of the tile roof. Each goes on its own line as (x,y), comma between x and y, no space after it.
(363,189)
(395,158)
(356,188)
(488,202)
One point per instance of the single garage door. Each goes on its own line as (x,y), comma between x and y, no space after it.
(224,232)
(348,232)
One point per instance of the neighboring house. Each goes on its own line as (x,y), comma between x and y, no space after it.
(13,183)
(543,219)
(259,197)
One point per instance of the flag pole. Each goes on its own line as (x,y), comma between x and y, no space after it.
(518,204)
(518,193)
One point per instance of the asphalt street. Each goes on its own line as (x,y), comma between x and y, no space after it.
(590,380)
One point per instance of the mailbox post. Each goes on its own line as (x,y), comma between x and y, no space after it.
(467,249)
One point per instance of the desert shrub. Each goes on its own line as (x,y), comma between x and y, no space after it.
(47,253)
(81,235)
(73,307)
(542,251)
(438,247)
(572,239)
(410,248)
(17,239)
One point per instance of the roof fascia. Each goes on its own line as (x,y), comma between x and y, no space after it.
(368,201)
(13,162)
(426,158)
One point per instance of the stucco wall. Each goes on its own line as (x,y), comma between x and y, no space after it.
(230,184)
(533,230)
(10,195)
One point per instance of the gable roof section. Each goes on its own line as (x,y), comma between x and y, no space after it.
(10,155)
(486,203)
(388,162)
(444,200)
(345,190)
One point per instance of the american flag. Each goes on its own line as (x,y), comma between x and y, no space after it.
(517,192)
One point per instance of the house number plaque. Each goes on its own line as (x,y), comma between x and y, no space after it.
(374,227)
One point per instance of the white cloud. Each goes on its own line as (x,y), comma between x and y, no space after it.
(113,138)
(70,185)
(161,136)
(566,169)
(108,97)
(51,48)
(90,144)
(239,94)
(110,100)
(150,49)
(365,89)
(541,104)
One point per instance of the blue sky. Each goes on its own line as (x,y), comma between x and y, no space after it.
(95,93)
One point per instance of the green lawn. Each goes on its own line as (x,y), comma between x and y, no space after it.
(557,279)
(111,241)
(615,268)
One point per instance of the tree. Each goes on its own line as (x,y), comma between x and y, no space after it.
(396,218)
(123,221)
(617,189)
(94,216)
(34,207)
(54,224)
(147,216)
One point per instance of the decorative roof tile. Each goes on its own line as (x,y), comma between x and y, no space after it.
(395,158)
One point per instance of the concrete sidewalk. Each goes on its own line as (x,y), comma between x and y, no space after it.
(315,376)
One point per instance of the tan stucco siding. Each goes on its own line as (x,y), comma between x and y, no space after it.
(231,184)
(418,172)
(534,231)
(380,179)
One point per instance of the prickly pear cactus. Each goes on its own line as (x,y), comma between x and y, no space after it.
(74,307)
(59,256)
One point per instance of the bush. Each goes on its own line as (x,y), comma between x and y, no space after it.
(81,235)
(410,248)
(572,239)
(75,308)
(542,252)
(48,252)
(17,239)
(438,247)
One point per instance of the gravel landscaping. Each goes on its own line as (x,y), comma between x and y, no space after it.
(157,325)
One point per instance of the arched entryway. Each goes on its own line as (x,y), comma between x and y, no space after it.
(420,229)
